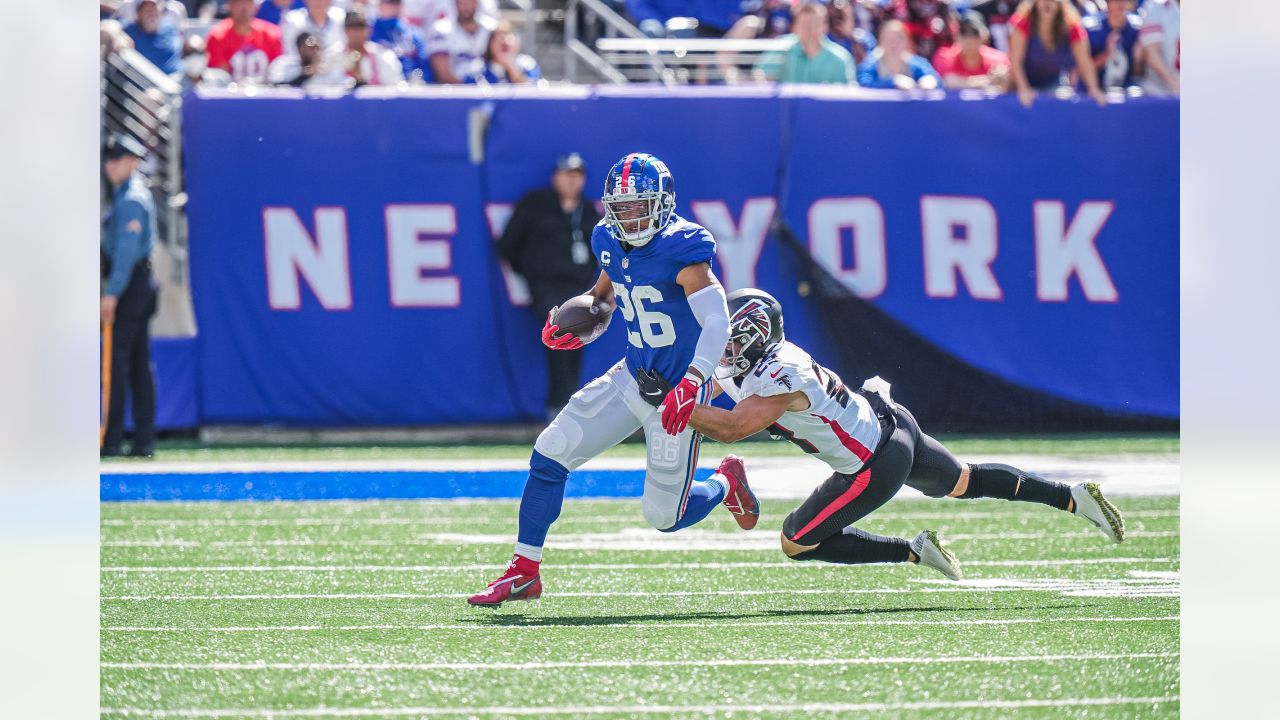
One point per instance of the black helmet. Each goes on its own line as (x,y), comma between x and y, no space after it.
(755,329)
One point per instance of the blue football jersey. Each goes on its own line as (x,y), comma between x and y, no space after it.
(662,331)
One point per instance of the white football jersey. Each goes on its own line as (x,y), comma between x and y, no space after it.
(422,14)
(1161,27)
(465,50)
(331,33)
(839,427)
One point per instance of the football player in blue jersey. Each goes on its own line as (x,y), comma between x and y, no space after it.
(657,268)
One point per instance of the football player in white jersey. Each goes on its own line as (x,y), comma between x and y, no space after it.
(872,444)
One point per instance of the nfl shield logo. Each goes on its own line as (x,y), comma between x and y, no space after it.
(626,262)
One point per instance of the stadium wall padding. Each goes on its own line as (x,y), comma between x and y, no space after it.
(1037,247)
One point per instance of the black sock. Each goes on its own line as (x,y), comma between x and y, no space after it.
(856,547)
(1009,483)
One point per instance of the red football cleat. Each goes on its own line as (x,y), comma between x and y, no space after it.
(740,500)
(520,581)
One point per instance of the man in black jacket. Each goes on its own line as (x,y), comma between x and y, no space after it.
(548,242)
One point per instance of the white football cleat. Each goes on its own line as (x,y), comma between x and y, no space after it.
(931,553)
(1091,506)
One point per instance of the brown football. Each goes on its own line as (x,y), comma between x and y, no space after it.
(584,317)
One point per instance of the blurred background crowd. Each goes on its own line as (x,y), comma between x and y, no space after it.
(996,46)
(155,52)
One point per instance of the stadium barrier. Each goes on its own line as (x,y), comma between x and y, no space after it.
(344,274)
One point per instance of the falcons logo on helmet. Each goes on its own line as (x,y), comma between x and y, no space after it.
(754,315)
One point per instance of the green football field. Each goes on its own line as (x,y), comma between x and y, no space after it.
(356,609)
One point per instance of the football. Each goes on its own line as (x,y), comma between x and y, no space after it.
(584,317)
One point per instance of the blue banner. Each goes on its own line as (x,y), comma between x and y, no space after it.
(344,270)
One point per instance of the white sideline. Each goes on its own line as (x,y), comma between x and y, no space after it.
(356,520)
(566,664)
(642,626)
(601,566)
(676,710)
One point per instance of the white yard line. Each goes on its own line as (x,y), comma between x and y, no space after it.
(597,566)
(731,623)
(357,521)
(670,710)
(627,538)
(567,664)
(1057,586)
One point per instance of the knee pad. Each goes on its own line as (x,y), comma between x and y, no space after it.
(661,515)
(559,441)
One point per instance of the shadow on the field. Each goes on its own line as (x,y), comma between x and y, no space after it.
(606,620)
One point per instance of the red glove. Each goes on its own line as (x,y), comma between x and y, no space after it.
(568,341)
(678,406)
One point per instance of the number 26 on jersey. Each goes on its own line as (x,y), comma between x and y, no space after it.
(656,329)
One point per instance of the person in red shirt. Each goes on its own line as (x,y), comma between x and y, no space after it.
(971,63)
(242,44)
(930,23)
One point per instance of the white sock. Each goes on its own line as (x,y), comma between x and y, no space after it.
(529,551)
(722,481)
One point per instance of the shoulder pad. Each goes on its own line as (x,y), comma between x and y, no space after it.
(688,242)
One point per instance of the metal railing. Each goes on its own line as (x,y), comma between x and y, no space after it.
(578,46)
(685,61)
(141,101)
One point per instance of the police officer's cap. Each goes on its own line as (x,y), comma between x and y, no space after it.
(572,161)
(119,145)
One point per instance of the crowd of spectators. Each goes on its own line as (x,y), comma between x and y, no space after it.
(1026,47)
(321,43)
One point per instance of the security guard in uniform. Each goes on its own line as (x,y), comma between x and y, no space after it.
(129,296)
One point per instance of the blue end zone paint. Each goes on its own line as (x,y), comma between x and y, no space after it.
(356,485)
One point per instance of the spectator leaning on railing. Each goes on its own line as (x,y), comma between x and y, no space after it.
(320,18)
(1047,41)
(970,62)
(1161,41)
(159,42)
(1113,40)
(393,32)
(457,47)
(893,65)
(242,44)
(503,61)
(811,56)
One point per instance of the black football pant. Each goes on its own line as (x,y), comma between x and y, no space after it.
(131,364)
(908,457)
